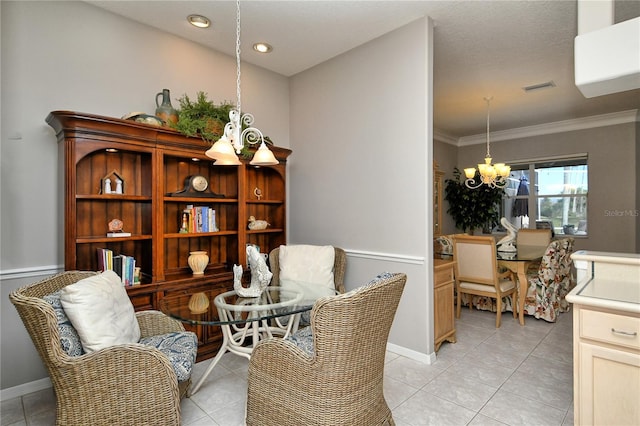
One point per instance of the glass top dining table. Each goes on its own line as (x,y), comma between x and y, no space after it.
(274,302)
(244,321)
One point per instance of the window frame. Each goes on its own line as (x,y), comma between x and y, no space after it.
(532,167)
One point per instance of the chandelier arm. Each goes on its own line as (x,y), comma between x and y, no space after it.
(252,136)
(469,183)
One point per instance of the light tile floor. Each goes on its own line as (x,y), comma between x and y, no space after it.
(508,376)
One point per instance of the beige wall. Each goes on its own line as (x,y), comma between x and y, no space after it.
(613,177)
(360,168)
(71,55)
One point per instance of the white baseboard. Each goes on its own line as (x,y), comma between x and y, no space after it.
(411,354)
(25,388)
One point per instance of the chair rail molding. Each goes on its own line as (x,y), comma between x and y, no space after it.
(386,257)
(32,271)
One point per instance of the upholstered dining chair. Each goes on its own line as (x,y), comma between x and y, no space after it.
(476,273)
(337,264)
(533,237)
(126,384)
(551,282)
(330,373)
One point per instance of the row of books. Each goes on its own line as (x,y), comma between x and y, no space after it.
(121,264)
(198,219)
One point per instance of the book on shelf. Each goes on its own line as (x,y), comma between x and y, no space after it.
(118,234)
(123,265)
(197,219)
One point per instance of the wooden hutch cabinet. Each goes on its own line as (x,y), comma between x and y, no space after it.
(153,163)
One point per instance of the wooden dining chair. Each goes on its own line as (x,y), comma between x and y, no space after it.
(476,273)
(533,237)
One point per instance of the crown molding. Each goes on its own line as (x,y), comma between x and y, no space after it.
(441,136)
(603,120)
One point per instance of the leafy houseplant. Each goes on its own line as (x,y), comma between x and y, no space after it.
(202,117)
(472,208)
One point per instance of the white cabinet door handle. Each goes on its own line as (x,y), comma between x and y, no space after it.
(624,333)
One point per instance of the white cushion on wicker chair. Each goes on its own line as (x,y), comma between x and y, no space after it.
(100,311)
(307,265)
(180,347)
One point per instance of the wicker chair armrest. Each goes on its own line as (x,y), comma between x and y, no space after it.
(106,382)
(277,347)
(154,323)
(280,366)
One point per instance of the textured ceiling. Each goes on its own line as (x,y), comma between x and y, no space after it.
(482,48)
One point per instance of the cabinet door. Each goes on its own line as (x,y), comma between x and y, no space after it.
(209,337)
(609,386)
(444,315)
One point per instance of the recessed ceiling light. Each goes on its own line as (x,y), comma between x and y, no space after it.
(199,21)
(262,47)
(539,86)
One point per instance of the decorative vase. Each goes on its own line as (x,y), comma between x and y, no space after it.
(198,261)
(165,111)
(198,303)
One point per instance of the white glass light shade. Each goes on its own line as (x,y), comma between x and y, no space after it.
(223,150)
(470,172)
(263,157)
(228,161)
(502,169)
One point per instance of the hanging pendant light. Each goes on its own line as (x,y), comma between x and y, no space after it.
(492,175)
(233,139)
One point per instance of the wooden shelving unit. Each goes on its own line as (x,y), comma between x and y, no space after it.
(154,162)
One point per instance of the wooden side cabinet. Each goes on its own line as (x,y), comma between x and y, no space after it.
(443,302)
(148,168)
(606,338)
(607,346)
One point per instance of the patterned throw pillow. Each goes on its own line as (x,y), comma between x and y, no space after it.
(303,339)
(382,277)
(69,338)
(180,347)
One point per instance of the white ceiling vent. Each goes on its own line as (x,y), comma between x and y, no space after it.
(539,86)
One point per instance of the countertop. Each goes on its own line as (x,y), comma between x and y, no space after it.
(609,290)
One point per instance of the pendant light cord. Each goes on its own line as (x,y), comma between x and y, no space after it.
(238,90)
(488,99)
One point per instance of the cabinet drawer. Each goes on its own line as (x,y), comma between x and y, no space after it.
(442,274)
(610,328)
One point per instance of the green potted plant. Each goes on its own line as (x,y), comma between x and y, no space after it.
(202,117)
(472,208)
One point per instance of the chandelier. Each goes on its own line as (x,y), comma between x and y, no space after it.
(234,137)
(492,175)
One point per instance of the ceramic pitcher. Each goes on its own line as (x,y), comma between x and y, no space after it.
(165,110)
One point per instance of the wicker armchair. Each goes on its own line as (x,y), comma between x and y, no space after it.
(339,267)
(341,382)
(128,384)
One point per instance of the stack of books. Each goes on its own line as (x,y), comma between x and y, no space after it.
(121,264)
